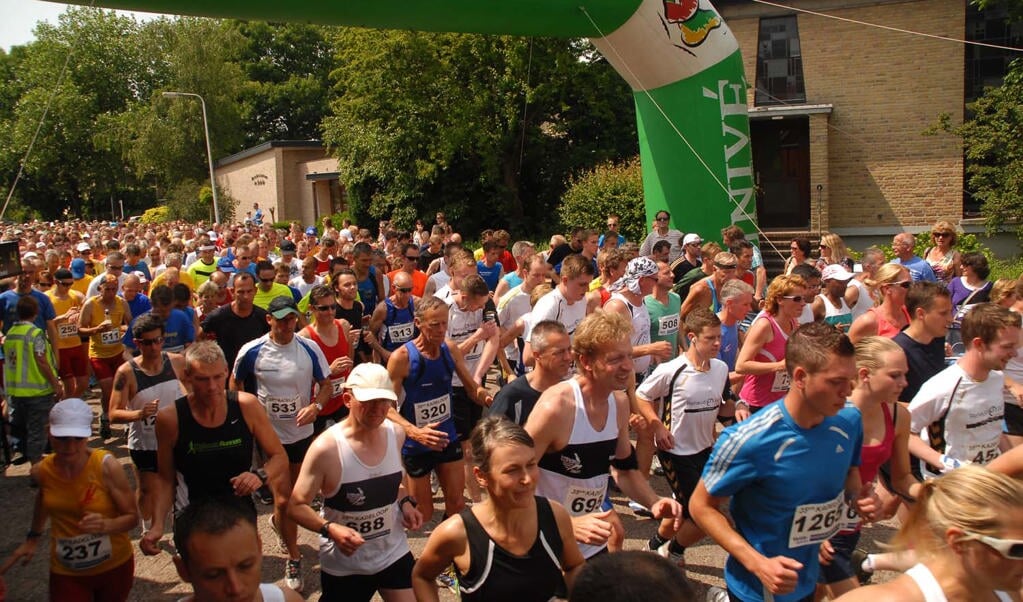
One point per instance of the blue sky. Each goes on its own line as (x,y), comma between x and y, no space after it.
(19,17)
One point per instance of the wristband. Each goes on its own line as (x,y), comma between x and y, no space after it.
(33,534)
(742,402)
(259,472)
(318,406)
(325,529)
(409,499)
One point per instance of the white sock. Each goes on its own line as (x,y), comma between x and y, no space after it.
(868,563)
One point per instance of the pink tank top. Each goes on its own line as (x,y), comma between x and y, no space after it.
(885,328)
(758,390)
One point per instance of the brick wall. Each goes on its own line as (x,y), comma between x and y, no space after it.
(886,88)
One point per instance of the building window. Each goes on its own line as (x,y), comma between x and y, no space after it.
(986,67)
(779,63)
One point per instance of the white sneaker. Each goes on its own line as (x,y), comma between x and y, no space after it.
(717,594)
(664,551)
(640,509)
(293,575)
(283,545)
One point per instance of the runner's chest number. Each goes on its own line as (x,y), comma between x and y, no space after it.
(434,410)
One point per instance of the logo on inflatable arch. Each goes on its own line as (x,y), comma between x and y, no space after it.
(693,23)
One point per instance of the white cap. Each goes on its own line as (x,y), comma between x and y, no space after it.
(141,276)
(71,418)
(208,248)
(369,382)
(83,246)
(835,272)
(30,255)
(691,238)
(40,245)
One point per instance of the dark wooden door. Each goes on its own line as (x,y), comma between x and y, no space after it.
(781,165)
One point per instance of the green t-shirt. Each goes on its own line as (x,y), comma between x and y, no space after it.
(664,319)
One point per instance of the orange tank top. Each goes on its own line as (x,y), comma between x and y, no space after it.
(73,552)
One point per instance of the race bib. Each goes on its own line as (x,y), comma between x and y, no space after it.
(110,337)
(83,552)
(401,333)
(370,524)
(781,383)
(434,410)
(281,408)
(67,330)
(982,453)
(667,325)
(584,500)
(850,519)
(814,523)
(148,423)
(337,387)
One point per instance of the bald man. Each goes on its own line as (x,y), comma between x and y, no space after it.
(393,321)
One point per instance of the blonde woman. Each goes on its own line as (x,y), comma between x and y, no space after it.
(833,251)
(942,257)
(891,283)
(967,530)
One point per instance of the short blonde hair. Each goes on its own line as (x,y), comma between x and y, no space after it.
(945,226)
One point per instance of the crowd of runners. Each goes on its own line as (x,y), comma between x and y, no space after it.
(341,375)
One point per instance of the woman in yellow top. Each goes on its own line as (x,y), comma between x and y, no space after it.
(74,357)
(86,495)
(105,319)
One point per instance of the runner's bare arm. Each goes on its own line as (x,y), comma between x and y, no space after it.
(276,465)
(321,460)
(447,544)
(571,558)
(124,391)
(479,392)
(758,335)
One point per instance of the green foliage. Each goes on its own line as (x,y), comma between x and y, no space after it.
(193,202)
(155,215)
(965,243)
(608,188)
(1006,268)
(484,128)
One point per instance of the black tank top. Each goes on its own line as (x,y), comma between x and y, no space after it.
(206,459)
(496,575)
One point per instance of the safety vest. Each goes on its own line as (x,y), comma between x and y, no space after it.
(22,376)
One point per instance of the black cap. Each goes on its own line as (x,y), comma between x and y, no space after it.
(287,247)
(280,307)
(63,274)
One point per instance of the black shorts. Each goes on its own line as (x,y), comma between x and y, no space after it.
(296,451)
(144,459)
(683,473)
(420,465)
(320,424)
(1013,420)
(841,567)
(466,412)
(360,588)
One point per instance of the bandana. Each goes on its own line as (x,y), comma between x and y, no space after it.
(639,267)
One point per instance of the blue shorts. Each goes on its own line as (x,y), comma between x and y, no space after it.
(841,567)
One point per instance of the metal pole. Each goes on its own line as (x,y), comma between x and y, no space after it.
(209,152)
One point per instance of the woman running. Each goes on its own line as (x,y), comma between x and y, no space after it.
(333,337)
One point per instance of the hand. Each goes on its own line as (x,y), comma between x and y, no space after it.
(778,574)
(151,408)
(663,437)
(307,415)
(826,553)
(592,528)
(667,507)
(341,365)
(487,330)
(58,390)
(246,483)
(347,540)
(411,517)
(950,463)
(637,422)
(660,350)
(150,542)
(741,412)
(105,324)
(92,522)
(370,338)
(25,552)
(868,503)
(355,335)
(430,436)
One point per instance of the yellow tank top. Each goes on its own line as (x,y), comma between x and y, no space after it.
(82,284)
(106,343)
(67,331)
(66,501)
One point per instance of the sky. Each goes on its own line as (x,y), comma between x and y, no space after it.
(19,17)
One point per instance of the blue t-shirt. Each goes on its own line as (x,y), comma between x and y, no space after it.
(918,269)
(490,275)
(178,330)
(138,267)
(9,310)
(138,306)
(368,293)
(729,350)
(787,488)
(513,279)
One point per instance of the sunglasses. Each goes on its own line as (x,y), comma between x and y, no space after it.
(942,235)
(903,283)
(1008,548)
(402,289)
(325,307)
(661,219)
(65,282)
(65,439)
(45,284)
(265,280)
(412,257)
(796,298)
(148,342)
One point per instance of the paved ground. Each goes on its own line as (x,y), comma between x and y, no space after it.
(157,581)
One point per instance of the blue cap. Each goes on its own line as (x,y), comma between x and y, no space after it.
(78,268)
(310,231)
(225,265)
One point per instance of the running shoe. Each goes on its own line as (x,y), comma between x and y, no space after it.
(717,594)
(264,495)
(280,538)
(640,509)
(293,574)
(448,579)
(434,483)
(664,551)
(857,558)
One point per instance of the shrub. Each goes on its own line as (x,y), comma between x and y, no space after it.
(156,215)
(608,188)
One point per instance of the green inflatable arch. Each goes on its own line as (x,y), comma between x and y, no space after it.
(680,59)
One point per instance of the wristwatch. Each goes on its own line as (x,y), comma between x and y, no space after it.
(409,499)
(325,529)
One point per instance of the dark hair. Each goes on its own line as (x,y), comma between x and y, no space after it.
(362,248)
(490,245)
(245,275)
(162,295)
(985,320)
(738,246)
(182,293)
(922,294)
(978,262)
(147,322)
(27,307)
(210,515)
(806,271)
(631,576)
(661,245)
(803,244)
(474,285)
(699,319)
(320,291)
(264,265)
(493,431)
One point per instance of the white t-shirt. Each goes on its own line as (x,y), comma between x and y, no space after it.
(694,399)
(553,306)
(973,423)
(461,326)
(513,305)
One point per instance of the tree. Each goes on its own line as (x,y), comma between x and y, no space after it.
(608,188)
(485,128)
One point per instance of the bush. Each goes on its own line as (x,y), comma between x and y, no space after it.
(965,243)
(608,188)
(156,215)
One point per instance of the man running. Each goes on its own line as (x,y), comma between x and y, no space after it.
(393,318)
(552,354)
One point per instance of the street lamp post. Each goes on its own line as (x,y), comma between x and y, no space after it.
(209,152)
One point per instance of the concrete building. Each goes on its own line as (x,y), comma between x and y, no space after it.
(290,179)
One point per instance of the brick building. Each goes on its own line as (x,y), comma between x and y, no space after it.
(838,112)
(290,179)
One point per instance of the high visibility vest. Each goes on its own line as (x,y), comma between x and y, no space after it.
(22,376)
